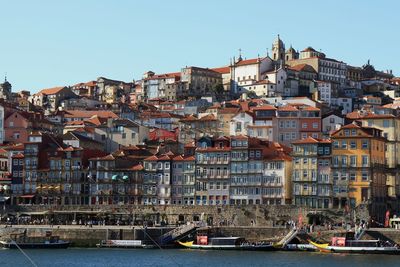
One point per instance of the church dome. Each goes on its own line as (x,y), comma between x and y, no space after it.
(291,50)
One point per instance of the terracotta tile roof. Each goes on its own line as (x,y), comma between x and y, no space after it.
(239,137)
(354,115)
(90,83)
(248,62)
(189,118)
(18,156)
(209,117)
(228,110)
(137,167)
(183,158)
(287,108)
(96,120)
(74,123)
(303,67)
(263,107)
(50,91)
(311,140)
(392,105)
(89,114)
(222,70)
(351,126)
(175,75)
(214,149)
(310,108)
(108,157)
(379,116)
(151,158)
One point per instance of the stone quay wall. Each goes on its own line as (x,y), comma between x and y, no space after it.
(249,215)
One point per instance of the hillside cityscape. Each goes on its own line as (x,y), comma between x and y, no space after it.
(291,127)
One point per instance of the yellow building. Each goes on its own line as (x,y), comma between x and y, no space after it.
(358,168)
(311,176)
(390,125)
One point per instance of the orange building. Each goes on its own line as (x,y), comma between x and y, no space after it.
(358,168)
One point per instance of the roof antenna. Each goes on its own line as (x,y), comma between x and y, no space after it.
(267,52)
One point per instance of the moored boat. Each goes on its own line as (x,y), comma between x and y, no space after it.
(344,245)
(27,242)
(300,247)
(120,244)
(226,243)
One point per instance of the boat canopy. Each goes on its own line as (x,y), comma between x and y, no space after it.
(114,177)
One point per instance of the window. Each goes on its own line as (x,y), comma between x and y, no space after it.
(335,161)
(352,176)
(364,176)
(344,145)
(327,151)
(353,161)
(304,125)
(364,144)
(335,144)
(353,145)
(238,127)
(344,160)
(123,135)
(315,125)
(386,124)
(364,161)
(16,135)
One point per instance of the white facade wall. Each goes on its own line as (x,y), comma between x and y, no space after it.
(239,123)
(331,123)
(325,92)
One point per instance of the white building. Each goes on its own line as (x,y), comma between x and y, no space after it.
(331,123)
(324,91)
(240,122)
(278,77)
(345,103)
(249,71)
(261,88)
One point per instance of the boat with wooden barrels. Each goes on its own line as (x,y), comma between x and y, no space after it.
(347,244)
(226,243)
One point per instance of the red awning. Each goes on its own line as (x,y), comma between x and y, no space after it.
(27,196)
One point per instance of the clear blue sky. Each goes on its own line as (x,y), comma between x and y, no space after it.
(49,43)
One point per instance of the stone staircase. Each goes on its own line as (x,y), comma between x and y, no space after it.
(177,233)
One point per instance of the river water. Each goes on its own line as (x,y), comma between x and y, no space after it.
(74,257)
